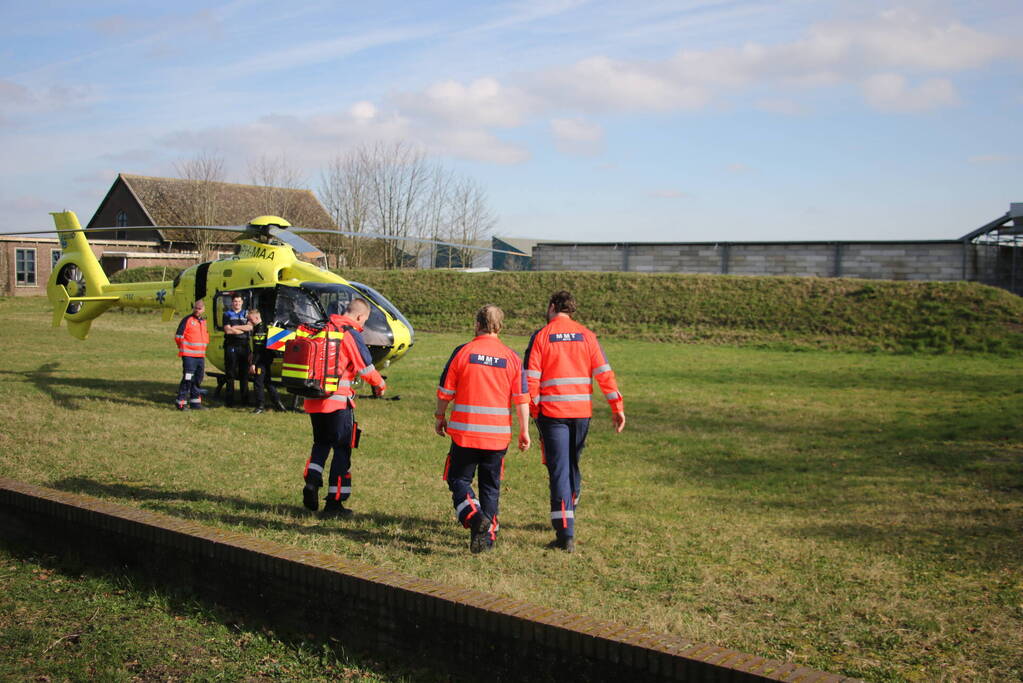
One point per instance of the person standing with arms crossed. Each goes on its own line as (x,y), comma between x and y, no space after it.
(192,339)
(236,350)
(483,379)
(332,417)
(562,360)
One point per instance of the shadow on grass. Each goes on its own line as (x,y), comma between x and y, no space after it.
(69,392)
(221,511)
(136,588)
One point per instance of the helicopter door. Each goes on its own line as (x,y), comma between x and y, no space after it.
(200,280)
(261,298)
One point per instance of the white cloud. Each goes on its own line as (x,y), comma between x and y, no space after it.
(896,43)
(603,84)
(482,102)
(577,136)
(363,111)
(780,105)
(315,140)
(892,92)
(18,101)
(990,159)
(668,194)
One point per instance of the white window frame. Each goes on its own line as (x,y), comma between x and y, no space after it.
(55,255)
(35,269)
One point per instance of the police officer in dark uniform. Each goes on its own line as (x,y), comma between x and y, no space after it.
(260,363)
(236,350)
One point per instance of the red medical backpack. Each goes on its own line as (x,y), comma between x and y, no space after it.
(312,361)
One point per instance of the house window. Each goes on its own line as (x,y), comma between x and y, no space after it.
(54,257)
(121,221)
(25,267)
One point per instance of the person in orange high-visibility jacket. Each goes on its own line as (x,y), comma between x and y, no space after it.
(481,381)
(192,339)
(332,417)
(562,360)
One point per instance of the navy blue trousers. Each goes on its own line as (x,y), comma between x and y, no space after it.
(562,441)
(192,371)
(332,431)
(459,472)
(236,367)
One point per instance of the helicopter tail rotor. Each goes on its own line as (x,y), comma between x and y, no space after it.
(77,283)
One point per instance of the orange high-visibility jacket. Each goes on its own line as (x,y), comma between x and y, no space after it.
(357,362)
(482,379)
(192,337)
(562,360)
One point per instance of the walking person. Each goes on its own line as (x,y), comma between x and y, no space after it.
(481,381)
(332,417)
(236,350)
(562,360)
(192,339)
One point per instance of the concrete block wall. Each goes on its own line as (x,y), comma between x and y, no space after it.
(933,260)
(368,607)
(904,261)
(816,260)
(672,258)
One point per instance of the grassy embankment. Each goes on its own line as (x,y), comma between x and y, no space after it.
(858,513)
(775,312)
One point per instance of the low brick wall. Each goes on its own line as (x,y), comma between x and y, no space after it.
(372,608)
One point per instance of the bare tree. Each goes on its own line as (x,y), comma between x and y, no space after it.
(398,185)
(200,204)
(276,175)
(436,210)
(471,219)
(345,192)
(392,189)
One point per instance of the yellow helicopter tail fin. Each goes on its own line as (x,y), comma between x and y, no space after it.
(77,285)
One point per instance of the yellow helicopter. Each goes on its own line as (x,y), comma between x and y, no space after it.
(266,272)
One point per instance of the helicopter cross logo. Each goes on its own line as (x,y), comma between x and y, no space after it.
(161,295)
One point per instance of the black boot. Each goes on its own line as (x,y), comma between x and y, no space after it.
(479,539)
(334,509)
(311,497)
(566,543)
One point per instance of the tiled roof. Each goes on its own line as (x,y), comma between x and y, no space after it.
(171,201)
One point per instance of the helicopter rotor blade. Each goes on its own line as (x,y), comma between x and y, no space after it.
(136,228)
(422,240)
(289,236)
(297,243)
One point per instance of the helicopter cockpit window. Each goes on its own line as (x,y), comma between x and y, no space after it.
(334,298)
(384,303)
(295,307)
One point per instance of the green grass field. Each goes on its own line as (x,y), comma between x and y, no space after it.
(859,513)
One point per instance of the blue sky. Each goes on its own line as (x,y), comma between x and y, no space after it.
(699,120)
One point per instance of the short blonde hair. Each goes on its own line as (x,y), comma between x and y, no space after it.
(357,306)
(489,319)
